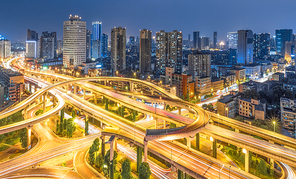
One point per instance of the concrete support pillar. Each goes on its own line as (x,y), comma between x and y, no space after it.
(62,115)
(156,122)
(54,100)
(145,150)
(197,142)
(152,92)
(106,103)
(191,115)
(95,99)
(112,145)
(131,86)
(164,124)
(134,115)
(188,142)
(139,157)
(86,124)
(164,106)
(25,114)
(44,102)
(236,130)
(30,88)
(180,174)
(215,148)
(103,145)
(179,109)
(247,161)
(75,89)
(29,131)
(83,93)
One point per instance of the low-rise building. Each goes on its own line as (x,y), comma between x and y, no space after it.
(254,85)
(290,85)
(203,86)
(184,85)
(228,105)
(229,79)
(217,85)
(253,71)
(252,108)
(288,115)
(278,76)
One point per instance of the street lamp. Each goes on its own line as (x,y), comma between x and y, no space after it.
(274,126)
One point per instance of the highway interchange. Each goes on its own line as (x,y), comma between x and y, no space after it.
(193,160)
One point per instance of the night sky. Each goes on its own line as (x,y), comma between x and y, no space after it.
(16,16)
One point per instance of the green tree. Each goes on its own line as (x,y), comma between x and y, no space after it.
(61,128)
(73,114)
(93,148)
(251,94)
(99,161)
(172,125)
(65,124)
(107,160)
(70,127)
(239,118)
(205,106)
(126,170)
(2,137)
(144,170)
(58,127)
(262,169)
(210,106)
(23,139)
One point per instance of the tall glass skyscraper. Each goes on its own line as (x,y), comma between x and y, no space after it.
(104,44)
(96,39)
(282,36)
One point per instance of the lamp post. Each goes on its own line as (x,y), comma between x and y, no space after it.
(274,126)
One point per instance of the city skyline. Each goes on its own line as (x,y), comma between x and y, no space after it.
(237,17)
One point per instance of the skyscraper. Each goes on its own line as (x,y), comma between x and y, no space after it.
(196,40)
(261,45)
(232,40)
(104,44)
(96,39)
(215,40)
(118,49)
(131,40)
(199,65)
(245,47)
(145,51)
(74,42)
(205,43)
(282,36)
(168,51)
(88,44)
(48,45)
(5,48)
(32,44)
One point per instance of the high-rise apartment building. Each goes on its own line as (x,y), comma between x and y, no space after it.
(199,65)
(215,40)
(168,51)
(145,51)
(245,47)
(261,45)
(118,49)
(88,44)
(232,40)
(48,45)
(104,44)
(196,40)
(205,43)
(282,36)
(96,39)
(74,42)
(32,44)
(5,48)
